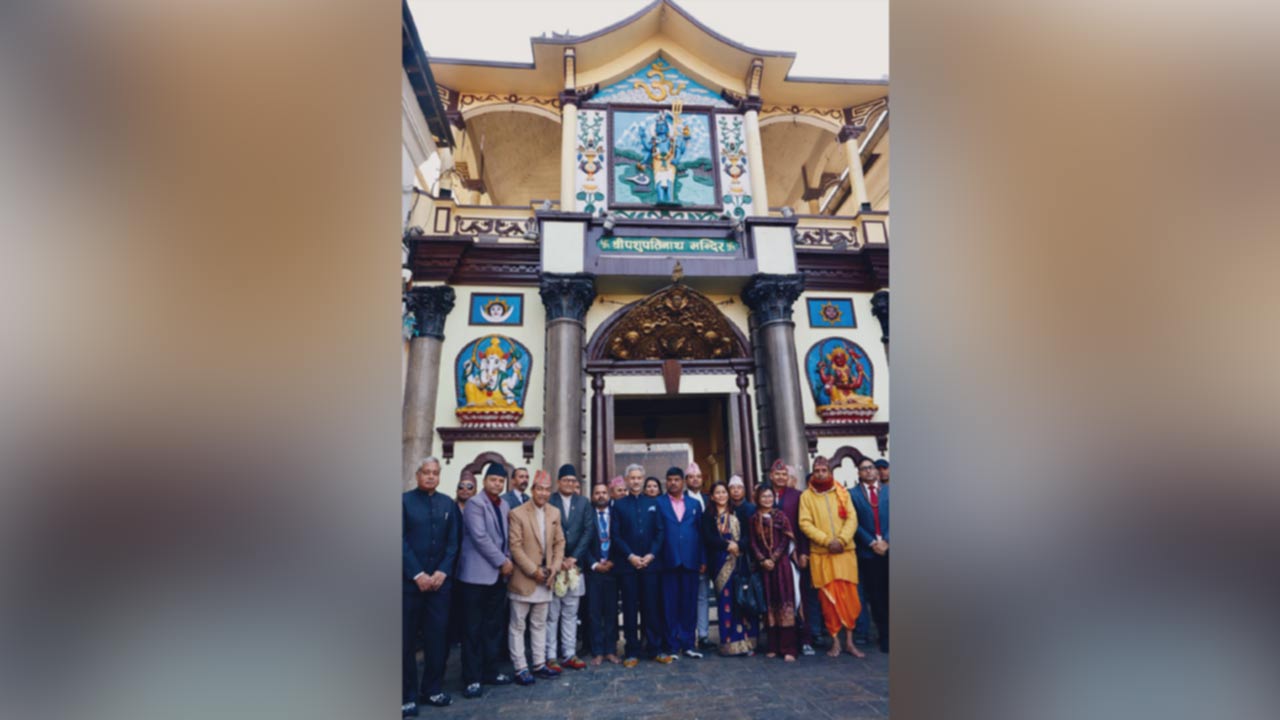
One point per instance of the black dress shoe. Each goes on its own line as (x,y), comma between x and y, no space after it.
(441,699)
(499,679)
(472,691)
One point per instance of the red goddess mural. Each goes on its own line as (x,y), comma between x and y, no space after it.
(840,376)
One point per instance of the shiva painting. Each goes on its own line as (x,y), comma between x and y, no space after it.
(840,376)
(663,157)
(492,375)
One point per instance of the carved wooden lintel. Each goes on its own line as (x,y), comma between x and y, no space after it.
(451,435)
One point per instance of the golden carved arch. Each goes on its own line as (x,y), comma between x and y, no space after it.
(676,322)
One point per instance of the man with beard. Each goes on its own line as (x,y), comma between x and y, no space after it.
(683,560)
(827,516)
(602,580)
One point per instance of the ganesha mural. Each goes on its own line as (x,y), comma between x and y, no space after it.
(492,376)
(840,376)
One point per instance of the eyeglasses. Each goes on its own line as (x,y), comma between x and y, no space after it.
(466,486)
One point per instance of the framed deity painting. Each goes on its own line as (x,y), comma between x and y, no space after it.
(663,157)
(831,313)
(496,309)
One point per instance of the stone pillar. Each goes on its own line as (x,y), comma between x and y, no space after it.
(430,306)
(778,382)
(880,308)
(568,134)
(566,297)
(848,137)
(755,149)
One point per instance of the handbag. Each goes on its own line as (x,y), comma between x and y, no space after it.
(748,590)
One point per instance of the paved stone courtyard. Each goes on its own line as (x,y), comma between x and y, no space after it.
(714,687)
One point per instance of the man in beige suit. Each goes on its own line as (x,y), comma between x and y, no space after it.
(537,550)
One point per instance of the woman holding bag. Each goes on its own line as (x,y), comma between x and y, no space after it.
(724,532)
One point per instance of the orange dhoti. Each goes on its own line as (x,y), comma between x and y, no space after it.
(840,605)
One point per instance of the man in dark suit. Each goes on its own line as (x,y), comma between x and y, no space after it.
(430,540)
(639,539)
(517,491)
(602,581)
(563,615)
(484,565)
(871,501)
(683,560)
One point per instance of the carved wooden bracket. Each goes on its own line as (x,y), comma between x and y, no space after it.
(878,430)
(450,435)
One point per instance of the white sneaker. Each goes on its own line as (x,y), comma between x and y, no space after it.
(693,654)
(807,650)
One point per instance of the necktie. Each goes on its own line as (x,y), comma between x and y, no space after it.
(875,507)
(603,522)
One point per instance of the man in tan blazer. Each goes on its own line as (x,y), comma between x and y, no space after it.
(537,550)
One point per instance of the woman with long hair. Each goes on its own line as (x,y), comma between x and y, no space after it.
(772,543)
(724,531)
(652,487)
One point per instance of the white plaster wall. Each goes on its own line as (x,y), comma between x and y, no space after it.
(866,335)
(457,334)
(847,474)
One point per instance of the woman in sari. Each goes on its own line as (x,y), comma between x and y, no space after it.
(772,540)
(724,533)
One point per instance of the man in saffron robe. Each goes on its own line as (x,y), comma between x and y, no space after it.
(828,519)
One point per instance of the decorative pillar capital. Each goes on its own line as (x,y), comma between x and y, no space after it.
(771,297)
(567,295)
(430,306)
(880,308)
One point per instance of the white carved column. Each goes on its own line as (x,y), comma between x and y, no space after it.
(568,134)
(755,150)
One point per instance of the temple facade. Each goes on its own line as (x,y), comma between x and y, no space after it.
(648,241)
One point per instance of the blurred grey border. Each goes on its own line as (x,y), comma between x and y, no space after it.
(201,406)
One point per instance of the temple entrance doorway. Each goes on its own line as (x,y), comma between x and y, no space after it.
(659,432)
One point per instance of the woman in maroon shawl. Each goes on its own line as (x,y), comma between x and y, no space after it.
(772,541)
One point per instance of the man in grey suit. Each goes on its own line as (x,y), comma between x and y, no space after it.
(484,564)
(564,610)
(517,493)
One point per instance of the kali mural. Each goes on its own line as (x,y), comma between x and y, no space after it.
(840,376)
(663,157)
(492,376)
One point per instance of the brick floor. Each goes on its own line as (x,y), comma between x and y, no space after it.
(714,687)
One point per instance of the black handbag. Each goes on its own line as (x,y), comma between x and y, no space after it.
(748,590)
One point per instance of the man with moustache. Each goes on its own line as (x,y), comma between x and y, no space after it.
(483,568)
(430,542)
(515,494)
(602,580)
(882,466)
(638,539)
(683,560)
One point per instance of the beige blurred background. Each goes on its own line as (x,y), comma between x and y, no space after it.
(201,400)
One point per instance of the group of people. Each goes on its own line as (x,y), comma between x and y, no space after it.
(488,565)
